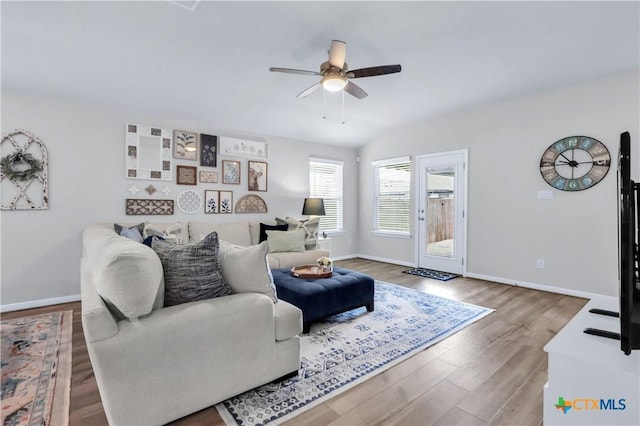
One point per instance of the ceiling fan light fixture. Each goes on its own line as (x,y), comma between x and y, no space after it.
(334,82)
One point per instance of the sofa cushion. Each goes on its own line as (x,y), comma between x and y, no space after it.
(234,233)
(309,226)
(265,227)
(128,275)
(245,269)
(191,271)
(285,241)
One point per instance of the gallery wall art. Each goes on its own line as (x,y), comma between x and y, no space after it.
(137,207)
(186,145)
(208,150)
(147,152)
(231,172)
(257,176)
(233,147)
(23,172)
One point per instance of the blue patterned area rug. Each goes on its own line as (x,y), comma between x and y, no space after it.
(349,348)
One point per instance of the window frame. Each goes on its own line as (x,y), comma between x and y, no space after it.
(406,195)
(329,198)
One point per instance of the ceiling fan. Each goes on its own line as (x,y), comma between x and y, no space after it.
(336,75)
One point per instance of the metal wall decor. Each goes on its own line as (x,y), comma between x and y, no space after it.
(24,171)
(251,204)
(189,201)
(136,206)
(575,163)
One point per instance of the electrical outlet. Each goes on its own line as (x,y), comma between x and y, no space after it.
(350,241)
(540,263)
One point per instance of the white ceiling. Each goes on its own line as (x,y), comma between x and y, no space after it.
(212,65)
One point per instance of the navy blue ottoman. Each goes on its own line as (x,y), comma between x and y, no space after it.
(320,298)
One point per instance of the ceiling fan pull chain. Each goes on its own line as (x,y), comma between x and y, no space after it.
(343,107)
(324,98)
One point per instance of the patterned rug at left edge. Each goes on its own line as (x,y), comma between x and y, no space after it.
(36,369)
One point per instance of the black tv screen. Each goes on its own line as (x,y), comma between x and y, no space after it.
(628,250)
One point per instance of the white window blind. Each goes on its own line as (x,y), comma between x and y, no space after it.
(392,203)
(325,181)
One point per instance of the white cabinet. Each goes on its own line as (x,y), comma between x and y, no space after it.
(590,374)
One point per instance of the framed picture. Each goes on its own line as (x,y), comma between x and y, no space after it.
(211,201)
(208,150)
(208,177)
(187,175)
(231,172)
(225,202)
(185,145)
(257,176)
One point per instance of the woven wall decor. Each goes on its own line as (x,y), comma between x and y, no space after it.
(251,204)
(24,170)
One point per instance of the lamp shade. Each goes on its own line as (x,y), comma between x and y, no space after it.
(313,207)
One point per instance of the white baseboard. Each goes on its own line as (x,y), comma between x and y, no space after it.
(534,286)
(385,260)
(39,303)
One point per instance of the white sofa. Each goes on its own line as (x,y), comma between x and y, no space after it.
(155,364)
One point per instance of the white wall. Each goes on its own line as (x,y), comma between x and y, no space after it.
(508,227)
(41,249)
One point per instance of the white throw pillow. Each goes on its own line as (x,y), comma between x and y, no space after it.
(173,233)
(310,227)
(286,241)
(246,269)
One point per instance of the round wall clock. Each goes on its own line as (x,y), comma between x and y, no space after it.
(575,163)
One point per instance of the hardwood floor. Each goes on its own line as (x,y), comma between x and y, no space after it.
(491,372)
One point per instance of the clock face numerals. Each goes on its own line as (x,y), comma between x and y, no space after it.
(575,163)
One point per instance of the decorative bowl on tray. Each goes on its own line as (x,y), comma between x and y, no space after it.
(311,271)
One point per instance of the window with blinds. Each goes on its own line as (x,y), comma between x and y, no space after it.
(325,181)
(392,196)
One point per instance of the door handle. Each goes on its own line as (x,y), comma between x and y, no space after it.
(420,218)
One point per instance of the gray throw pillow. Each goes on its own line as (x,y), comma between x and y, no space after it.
(191,271)
(133,233)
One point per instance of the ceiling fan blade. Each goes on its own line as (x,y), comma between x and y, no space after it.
(292,71)
(373,71)
(337,53)
(355,90)
(309,90)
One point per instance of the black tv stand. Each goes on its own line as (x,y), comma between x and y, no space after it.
(602,333)
(604,312)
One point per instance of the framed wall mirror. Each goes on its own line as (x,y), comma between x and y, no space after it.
(148,152)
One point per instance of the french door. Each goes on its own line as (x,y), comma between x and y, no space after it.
(441,211)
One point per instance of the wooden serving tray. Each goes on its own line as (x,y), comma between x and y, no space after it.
(310,271)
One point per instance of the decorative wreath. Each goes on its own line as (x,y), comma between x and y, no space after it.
(9,163)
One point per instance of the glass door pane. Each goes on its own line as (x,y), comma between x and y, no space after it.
(441,211)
